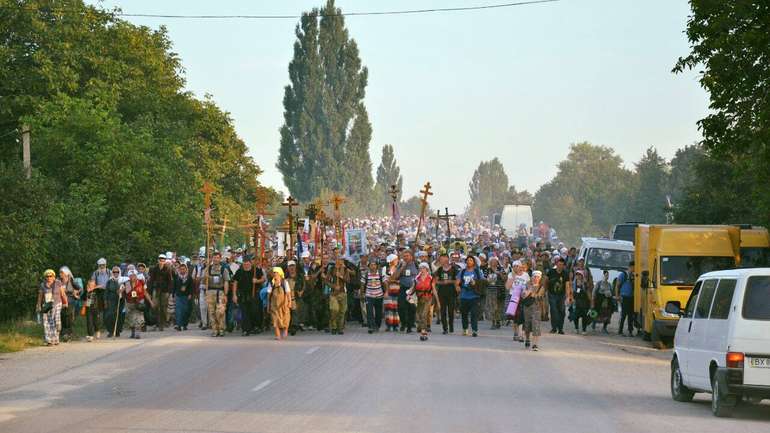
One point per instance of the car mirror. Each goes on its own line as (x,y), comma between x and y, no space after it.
(673,307)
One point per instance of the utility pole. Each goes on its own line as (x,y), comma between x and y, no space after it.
(26,152)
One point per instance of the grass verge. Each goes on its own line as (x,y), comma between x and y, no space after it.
(17,335)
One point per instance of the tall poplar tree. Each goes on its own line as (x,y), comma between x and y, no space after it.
(388,173)
(326,132)
(488,187)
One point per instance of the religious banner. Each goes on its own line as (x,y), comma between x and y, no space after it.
(355,243)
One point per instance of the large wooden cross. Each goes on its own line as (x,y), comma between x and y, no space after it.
(423,205)
(207,190)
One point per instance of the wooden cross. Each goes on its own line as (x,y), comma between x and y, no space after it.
(446,218)
(394,192)
(437,220)
(207,190)
(336,201)
(424,204)
(290,203)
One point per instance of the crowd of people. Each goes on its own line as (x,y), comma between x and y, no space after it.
(396,285)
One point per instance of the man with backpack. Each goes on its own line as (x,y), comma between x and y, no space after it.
(559,287)
(217,277)
(624,291)
(468,285)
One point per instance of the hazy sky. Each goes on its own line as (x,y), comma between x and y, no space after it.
(448,90)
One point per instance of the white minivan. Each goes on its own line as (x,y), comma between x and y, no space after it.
(722,341)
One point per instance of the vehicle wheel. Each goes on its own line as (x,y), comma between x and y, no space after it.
(721,404)
(679,392)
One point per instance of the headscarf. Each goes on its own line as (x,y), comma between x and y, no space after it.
(277,272)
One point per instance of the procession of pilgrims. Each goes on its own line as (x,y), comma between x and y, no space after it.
(375,273)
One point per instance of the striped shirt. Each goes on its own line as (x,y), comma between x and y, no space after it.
(374,285)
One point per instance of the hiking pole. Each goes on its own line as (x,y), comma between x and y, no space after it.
(117,315)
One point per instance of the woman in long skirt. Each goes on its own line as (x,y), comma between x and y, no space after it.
(390,305)
(279,303)
(50,299)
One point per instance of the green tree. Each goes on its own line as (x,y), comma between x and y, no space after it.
(649,203)
(518,197)
(413,206)
(119,148)
(730,45)
(388,173)
(326,131)
(589,193)
(683,170)
(488,188)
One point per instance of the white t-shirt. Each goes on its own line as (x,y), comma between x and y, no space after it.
(519,281)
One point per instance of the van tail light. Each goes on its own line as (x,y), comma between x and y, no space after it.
(734,359)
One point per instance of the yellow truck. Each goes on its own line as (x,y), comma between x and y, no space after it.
(755,247)
(668,260)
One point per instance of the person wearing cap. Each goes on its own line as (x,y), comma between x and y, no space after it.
(530,300)
(162,286)
(426,293)
(247,282)
(50,299)
(217,278)
(137,300)
(390,303)
(279,303)
(183,288)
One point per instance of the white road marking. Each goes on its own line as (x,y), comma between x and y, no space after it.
(312,350)
(262,385)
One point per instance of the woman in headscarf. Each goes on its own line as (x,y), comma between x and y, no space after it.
(68,313)
(113,304)
(279,303)
(582,294)
(531,299)
(426,293)
(517,282)
(602,301)
(137,301)
(390,304)
(183,288)
(50,299)
(337,276)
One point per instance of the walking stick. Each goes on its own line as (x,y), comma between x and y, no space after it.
(117,316)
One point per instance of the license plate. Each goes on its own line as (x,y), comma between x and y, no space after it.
(759,362)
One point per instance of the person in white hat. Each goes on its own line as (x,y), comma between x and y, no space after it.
(161,284)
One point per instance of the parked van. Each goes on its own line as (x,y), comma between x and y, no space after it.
(513,217)
(722,342)
(600,254)
(669,259)
(624,232)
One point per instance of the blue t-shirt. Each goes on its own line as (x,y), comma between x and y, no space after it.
(263,294)
(466,279)
(626,285)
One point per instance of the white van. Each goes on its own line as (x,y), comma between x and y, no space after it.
(600,254)
(722,341)
(514,216)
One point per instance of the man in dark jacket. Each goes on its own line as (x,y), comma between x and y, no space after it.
(183,288)
(162,285)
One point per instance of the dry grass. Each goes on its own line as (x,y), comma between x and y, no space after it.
(19,335)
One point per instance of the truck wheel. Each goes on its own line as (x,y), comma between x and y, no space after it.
(721,404)
(679,392)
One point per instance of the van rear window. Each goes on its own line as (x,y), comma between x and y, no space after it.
(756,300)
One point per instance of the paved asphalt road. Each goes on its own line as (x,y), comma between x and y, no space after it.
(316,382)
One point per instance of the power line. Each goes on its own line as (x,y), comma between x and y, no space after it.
(343,14)
(117,12)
